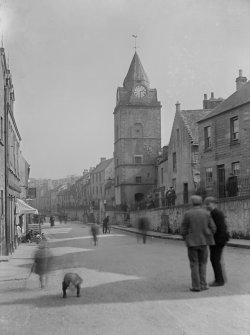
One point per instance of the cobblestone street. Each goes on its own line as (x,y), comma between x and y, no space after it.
(128,288)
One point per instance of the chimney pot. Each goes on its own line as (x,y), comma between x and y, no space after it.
(205,96)
(240,73)
(212,95)
(178,106)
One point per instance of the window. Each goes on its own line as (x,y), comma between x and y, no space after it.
(174,161)
(138,159)
(209,176)
(138,180)
(234,122)
(236,168)
(207,137)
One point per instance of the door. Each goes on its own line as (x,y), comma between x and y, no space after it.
(185,193)
(221,181)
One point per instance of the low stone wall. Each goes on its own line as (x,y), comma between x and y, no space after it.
(236,210)
(168,220)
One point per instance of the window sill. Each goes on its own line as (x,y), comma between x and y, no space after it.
(234,142)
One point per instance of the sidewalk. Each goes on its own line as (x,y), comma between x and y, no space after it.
(17,266)
(236,243)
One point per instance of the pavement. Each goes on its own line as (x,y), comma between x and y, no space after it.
(18,265)
(236,243)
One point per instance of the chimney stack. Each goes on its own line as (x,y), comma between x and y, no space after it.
(103,159)
(178,106)
(240,81)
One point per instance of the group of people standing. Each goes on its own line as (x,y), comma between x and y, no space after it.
(202,228)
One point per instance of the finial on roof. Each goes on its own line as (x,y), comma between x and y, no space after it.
(135,37)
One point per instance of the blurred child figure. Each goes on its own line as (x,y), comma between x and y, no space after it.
(72,278)
(42,260)
(143,226)
(95,232)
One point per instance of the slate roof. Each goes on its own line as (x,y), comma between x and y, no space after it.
(238,98)
(136,73)
(190,118)
(102,165)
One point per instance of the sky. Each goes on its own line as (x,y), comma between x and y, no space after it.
(67,58)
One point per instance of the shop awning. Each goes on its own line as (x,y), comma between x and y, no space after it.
(23,208)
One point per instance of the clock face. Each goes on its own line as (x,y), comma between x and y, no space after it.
(140,91)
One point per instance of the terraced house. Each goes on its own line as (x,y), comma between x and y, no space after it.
(224,136)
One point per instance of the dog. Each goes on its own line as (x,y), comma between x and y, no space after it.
(72,278)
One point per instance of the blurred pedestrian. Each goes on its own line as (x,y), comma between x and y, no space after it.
(52,220)
(19,234)
(197,230)
(42,262)
(105,224)
(143,226)
(221,237)
(95,232)
(232,185)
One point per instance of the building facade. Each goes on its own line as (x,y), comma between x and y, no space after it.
(2,154)
(137,140)
(225,145)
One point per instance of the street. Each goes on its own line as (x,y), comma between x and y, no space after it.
(128,288)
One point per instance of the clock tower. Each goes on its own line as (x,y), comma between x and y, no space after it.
(137,142)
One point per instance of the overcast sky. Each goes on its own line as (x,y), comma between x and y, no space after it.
(67,58)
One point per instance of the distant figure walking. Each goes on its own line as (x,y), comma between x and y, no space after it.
(95,232)
(105,224)
(42,262)
(232,185)
(221,237)
(52,221)
(143,226)
(197,230)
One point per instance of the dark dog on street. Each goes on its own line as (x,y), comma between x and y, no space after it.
(72,278)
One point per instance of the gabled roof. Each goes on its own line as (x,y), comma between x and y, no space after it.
(190,119)
(101,166)
(238,98)
(136,74)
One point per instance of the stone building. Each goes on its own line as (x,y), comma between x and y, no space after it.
(183,154)
(224,136)
(99,177)
(2,154)
(137,142)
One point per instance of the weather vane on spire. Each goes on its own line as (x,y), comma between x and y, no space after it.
(135,37)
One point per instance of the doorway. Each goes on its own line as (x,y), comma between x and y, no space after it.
(221,181)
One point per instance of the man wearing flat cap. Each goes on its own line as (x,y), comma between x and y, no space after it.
(197,230)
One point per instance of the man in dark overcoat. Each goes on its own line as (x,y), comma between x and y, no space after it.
(197,230)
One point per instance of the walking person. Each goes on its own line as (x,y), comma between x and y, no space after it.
(197,230)
(221,237)
(105,224)
(42,260)
(95,232)
(143,226)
